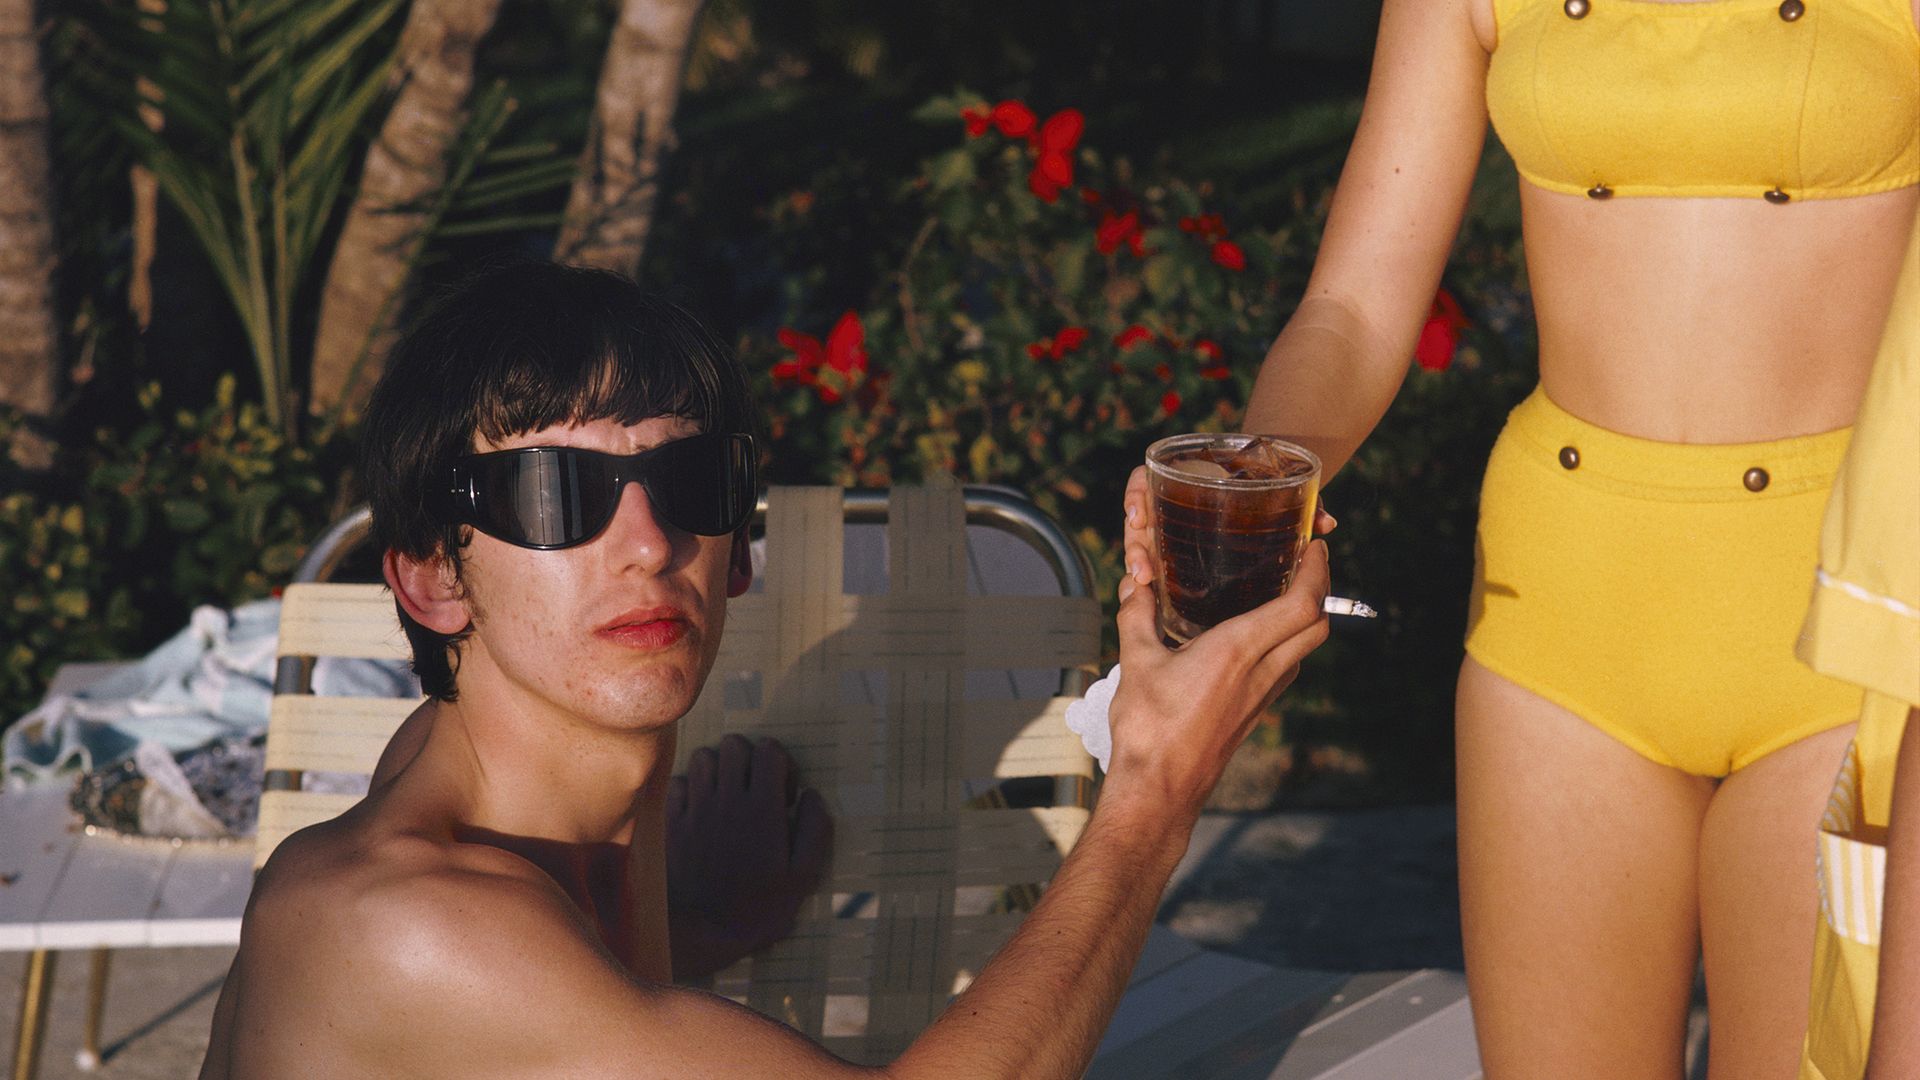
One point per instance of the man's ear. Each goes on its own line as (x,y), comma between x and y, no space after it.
(739,565)
(427,590)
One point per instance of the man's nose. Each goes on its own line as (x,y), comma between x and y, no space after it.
(637,536)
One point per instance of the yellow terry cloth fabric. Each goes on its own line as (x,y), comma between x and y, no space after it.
(1864,626)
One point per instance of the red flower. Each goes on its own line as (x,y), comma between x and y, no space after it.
(1163,372)
(1133,335)
(1013,118)
(1053,168)
(1137,243)
(1216,373)
(1090,196)
(1228,254)
(1205,225)
(977,120)
(847,345)
(844,354)
(806,357)
(1062,131)
(1059,344)
(1206,348)
(1441,335)
(1170,403)
(1115,230)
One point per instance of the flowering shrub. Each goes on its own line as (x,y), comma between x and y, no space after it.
(1043,312)
(185,508)
(1051,313)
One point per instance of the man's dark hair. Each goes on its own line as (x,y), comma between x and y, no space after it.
(514,349)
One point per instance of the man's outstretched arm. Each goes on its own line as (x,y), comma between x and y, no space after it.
(504,977)
(1039,1009)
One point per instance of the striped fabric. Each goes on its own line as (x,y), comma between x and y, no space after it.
(1853,872)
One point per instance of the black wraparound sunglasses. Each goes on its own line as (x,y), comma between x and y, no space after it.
(549,497)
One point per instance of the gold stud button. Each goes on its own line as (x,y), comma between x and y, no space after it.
(1778,197)
(1569,458)
(1756,479)
(1790,10)
(1577,9)
(1599,191)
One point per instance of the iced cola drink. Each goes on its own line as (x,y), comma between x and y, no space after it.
(1232,515)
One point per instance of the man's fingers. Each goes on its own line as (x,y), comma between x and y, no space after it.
(736,760)
(1323,522)
(1137,502)
(812,838)
(1273,625)
(772,779)
(1137,537)
(702,767)
(1138,629)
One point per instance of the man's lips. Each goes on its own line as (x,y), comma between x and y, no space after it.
(646,628)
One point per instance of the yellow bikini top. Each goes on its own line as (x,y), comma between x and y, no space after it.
(1774,99)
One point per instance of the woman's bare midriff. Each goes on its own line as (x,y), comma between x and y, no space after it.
(1712,320)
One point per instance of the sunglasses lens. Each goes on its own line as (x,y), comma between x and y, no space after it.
(703,484)
(545,497)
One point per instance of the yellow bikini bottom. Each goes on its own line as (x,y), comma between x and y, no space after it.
(1656,589)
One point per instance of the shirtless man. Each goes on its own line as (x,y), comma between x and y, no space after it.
(496,906)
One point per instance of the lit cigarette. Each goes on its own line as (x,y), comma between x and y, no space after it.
(1340,605)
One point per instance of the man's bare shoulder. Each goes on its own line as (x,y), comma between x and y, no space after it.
(382,945)
(368,952)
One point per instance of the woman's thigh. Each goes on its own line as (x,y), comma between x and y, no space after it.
(1579,890)
(1759,898)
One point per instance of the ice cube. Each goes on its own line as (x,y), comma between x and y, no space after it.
(1259,461)
(1198,467)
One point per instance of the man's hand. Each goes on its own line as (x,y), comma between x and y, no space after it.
(745,845)
(1179,716)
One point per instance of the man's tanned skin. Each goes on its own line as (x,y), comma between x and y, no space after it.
(496,906)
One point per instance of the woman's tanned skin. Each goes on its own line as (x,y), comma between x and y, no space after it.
(496,906)
(1590,875)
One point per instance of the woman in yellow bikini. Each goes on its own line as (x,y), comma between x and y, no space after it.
(1716,195)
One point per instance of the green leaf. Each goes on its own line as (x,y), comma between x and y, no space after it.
(71,603)
(1162,275)
(980,456)
(950,170)
(278,560)
(1069,265)
(946,109)
(186,515)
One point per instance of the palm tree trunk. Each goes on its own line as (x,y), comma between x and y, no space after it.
(407,164)
(29,330)
(611,205)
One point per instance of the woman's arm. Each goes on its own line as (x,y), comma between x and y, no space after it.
(1335,367)
(1896,1011)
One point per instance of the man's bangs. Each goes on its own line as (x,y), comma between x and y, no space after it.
(614,385)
